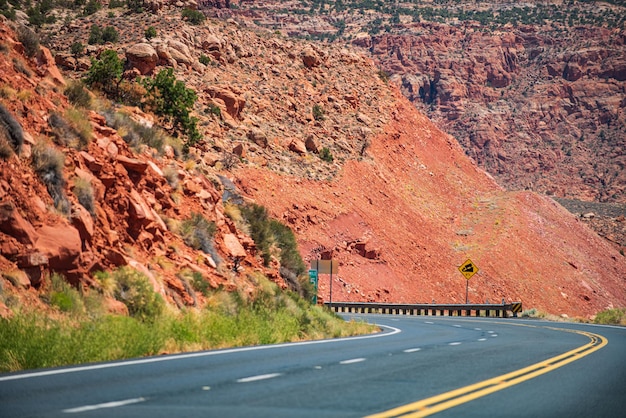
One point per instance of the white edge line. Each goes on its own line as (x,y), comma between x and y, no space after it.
(259,377)
(103,405)
(393,331)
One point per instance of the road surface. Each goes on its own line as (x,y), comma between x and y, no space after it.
(441,366)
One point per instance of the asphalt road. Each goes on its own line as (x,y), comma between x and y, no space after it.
(418,365)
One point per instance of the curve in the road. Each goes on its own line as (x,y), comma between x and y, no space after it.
(434,404)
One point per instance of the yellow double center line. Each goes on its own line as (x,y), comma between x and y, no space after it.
(465,394)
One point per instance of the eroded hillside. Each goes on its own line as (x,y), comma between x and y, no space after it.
(533,92)
(313,133)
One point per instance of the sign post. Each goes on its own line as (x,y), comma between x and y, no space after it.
(468,269)
(326,267)
(313,280)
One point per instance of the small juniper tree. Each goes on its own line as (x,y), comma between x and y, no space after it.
(171,98)
(105,73)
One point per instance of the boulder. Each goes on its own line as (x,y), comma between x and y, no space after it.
(47,66)
(65,61)
(83,222)
(233,247)
(297,146)
(33,264)
(61,244)
(234,103)
(212,43)
(239,150)
(18,278)
(143,57)
(139,211)
(180,52)
(132,164)
(310,58)
(572,72)
(14,225)
(258,137)
(311,144)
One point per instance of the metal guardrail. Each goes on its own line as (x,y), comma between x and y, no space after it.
(487,310)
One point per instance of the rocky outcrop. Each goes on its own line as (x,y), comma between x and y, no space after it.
(390,196)
(143,57)
(534,117)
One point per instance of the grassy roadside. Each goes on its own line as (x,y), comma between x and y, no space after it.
(31,340)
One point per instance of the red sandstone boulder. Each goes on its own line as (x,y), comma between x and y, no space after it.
(143,57)
(234,103)
(14,225)
(61,243)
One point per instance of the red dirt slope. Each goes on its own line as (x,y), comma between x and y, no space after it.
(403,220)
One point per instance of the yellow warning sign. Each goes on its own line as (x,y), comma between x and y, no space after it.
(468,269)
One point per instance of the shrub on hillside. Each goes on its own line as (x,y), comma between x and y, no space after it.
(29,40)
(257,218)
(171,98)
(275,239)
(71,129)
(110,34)
(77,94)
(105,73)
(136,6)
(136,292)
(48,163)
(11,133)
(326,155)
(77,49)
(136,134)
(318,113)
(194,17)
(286,240)
(204,59)
(92,7)
(63,296)
(39,14)
(83,190)
(7,10)
(150,32)
(198,232)
(99,36)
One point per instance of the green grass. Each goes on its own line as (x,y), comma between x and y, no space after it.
(611,317)
(32,340)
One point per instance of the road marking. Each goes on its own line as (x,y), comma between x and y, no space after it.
(393,331)
(455,343)
(354,360)
(115,404)
(457,325)
(482,339)
(412,350)
(494,335)
(456,397)
(428,322)
(478,329)
(258,377)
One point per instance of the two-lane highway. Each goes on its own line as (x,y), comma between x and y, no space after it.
(417,366)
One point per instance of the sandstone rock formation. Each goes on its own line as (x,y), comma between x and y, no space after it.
(399,205)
